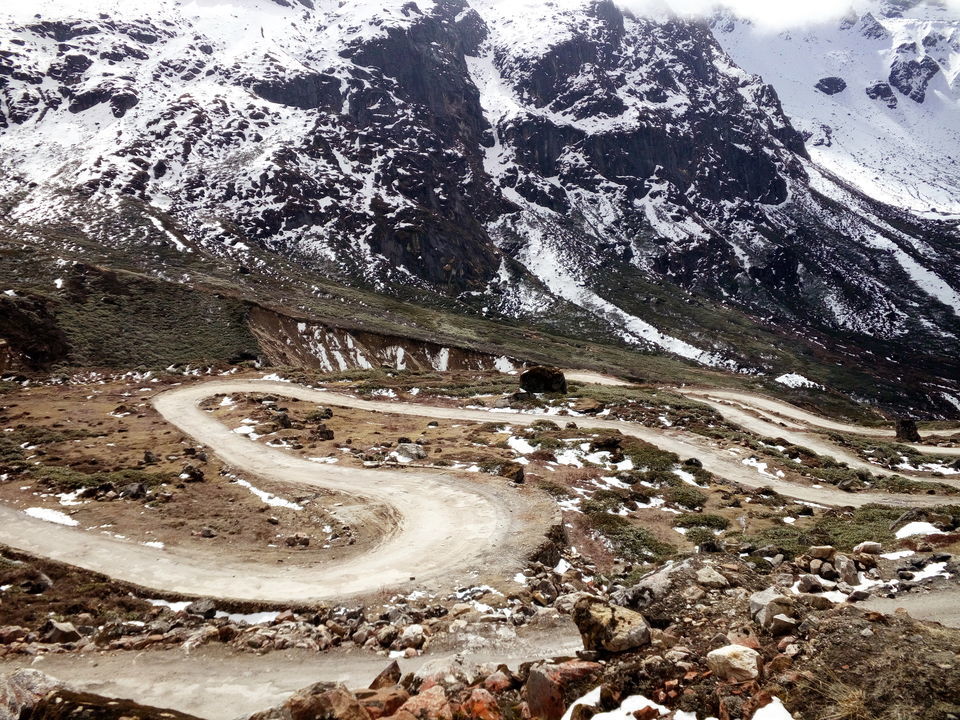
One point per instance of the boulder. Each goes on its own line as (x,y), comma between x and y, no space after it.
(883,92)
(781,625)
(452,674)
(828,571)
(708,577)
(588,406)
(382,702)
(481,705)
(413,451)
(512,471)
(431,704)
(203,607)
(847,570)
(734,663)
(191,474)
(411,637)
(388,677)
(321,433)
(822,552)
(907,430)
(609,628)
(20,691)
(550,688)
(134,491)
(810,584)
(322,700)
(59,632)
(868,548)
(12,633)
(498,682)
(831,85)
(541,379)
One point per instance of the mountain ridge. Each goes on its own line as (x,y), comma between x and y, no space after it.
(597,168)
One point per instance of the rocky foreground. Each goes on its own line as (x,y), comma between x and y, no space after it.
(696,639)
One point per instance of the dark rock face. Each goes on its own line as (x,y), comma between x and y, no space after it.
(540,379)
(871,28)
(907,430)
(831,85)
(882,91)
(910,75)
(307,92)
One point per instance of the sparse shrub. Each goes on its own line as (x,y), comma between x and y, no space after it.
(554,489)
(701,520)
(685,496)
(631,541)
(603,501)
(701,536)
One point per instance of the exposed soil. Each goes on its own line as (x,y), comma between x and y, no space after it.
(97,436)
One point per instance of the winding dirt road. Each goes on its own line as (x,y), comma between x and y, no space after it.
(428,539)
(220,684)
(778,411)
(754,413)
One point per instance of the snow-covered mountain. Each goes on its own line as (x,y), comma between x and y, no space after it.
(875,93)
(561,160)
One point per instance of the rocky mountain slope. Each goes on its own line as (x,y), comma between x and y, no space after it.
(875,93)
(605,174)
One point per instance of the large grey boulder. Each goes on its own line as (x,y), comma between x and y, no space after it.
(608,628)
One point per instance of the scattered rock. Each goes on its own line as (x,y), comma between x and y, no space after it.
(767,604)
(203,607)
